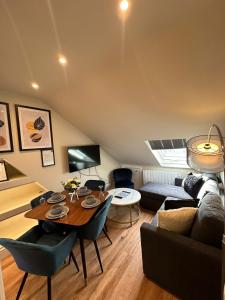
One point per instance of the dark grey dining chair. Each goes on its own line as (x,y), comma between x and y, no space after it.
(49,226)
(40,253)
(95,184)
(92,230)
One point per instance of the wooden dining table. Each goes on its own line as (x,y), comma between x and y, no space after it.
(77,215)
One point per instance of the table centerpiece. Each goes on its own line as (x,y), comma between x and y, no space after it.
(71,186)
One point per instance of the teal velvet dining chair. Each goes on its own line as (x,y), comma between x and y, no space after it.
(49,226)
(95,185)
(38,200)
(92,230)
(40,253)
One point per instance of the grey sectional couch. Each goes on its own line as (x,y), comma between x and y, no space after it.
(189,266)
(154,194)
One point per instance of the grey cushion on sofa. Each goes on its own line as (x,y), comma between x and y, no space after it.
(157,193)
(208,225)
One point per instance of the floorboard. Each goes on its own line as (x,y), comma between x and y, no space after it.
(123,278)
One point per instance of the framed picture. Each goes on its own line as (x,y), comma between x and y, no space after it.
(3,173)
(34,128)
(6,143)
(47,157)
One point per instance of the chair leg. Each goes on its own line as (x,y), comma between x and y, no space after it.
(21,286)
(98,255)
(74,260)
(70,258)
(83,259)
(106,234)
(49,288)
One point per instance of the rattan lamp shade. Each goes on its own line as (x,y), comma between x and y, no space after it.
(203,159)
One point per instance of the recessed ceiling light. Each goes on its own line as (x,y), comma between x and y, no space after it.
(124,4)
(62,60)
(35,85)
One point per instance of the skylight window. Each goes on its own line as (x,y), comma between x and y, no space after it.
(169,153)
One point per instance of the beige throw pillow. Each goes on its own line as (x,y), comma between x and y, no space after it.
(177,220)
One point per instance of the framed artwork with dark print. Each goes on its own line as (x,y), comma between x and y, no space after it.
(6,143)
(34,128)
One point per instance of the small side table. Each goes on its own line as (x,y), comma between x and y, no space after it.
(131,201)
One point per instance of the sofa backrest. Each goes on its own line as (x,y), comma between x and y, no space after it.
(208,226)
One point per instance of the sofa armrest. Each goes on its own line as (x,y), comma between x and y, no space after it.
(185,267)
(178,203)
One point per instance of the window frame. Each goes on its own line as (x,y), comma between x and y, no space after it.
(162,157)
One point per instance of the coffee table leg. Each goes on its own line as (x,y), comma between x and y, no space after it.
(131,215)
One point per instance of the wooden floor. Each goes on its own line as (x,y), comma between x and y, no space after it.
(123,278)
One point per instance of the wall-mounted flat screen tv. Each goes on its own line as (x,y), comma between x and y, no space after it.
(83,157)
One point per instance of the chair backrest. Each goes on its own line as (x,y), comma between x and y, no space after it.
(122,174)
(94,184)
(92,230)
(38,253)
(29,257)
(37,201)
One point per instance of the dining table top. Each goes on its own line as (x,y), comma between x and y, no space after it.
(77,215)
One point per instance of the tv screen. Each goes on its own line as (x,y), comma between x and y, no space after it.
(83,157)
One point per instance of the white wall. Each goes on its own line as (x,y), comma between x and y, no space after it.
(64,134)
(138,172)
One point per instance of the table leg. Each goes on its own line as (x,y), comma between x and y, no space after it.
(2,290)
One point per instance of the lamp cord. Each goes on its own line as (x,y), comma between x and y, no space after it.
(220,136)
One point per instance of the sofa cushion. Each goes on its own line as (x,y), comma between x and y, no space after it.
(193,184)
(208,225)
(170,199)
(160,191)
(177,220)
(178,203)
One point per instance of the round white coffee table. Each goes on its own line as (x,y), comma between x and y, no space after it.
(130,200)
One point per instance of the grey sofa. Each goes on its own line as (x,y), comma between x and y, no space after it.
(189,266)
(154,194)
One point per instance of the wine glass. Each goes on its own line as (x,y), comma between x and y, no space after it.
(100,190)
(71,194)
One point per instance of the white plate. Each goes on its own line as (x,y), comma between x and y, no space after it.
(61,198)
(81,194)
(85,205)
(65,211)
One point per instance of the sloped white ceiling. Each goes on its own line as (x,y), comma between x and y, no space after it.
(159,75)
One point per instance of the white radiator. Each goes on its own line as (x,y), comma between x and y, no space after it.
(158,176)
